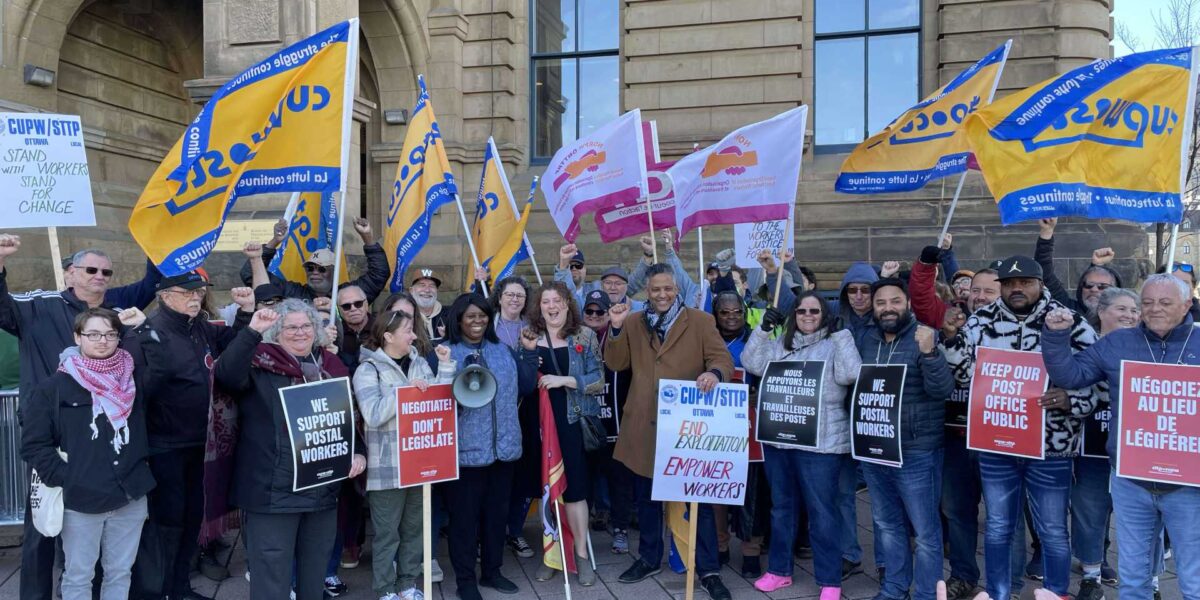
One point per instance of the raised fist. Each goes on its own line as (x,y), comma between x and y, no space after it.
(1059,319)
(617,314)
(9,244)
(889,269)
(1103,256)
(263,320)
(1046,227)
(243,297)
(442,352)
(529,339)
(925,339)
(131,317)
(252,250)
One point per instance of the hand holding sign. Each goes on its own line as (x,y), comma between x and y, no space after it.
(766,260)
(358,465)
(421,384)
(1055,399)
(9,244)
(706,382)
(278,233)
(1059,319)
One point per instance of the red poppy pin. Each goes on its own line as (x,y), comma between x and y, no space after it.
(579,348)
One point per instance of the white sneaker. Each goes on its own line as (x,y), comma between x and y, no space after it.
(247,576)
(292,595)
(435,570)
(390,597)
(412,593)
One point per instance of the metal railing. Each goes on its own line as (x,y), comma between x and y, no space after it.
(14,481)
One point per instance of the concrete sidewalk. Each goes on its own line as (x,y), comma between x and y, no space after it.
(667,585)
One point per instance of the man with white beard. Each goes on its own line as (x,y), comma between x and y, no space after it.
(424,290)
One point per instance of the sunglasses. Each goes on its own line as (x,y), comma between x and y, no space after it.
(1186,268)
(855,290)
(1097,286)
(808,311)
(576,266)
(350,305)
(592,312)
(270,302)
(314,268)
(94,270)
(730,313)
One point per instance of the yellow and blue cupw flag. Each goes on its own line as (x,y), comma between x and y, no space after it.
(313,226)
(1106,140)
(424,182)
(516,248)
(926,142)
(495,212)
(277,127)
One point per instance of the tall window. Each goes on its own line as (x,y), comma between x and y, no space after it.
(867,64)
(576,73)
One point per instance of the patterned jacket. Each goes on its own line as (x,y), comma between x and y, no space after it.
(996,326)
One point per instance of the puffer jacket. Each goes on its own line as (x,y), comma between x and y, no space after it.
(375,384)
(588,370)
(927,384)
(492,432)
(995,326)
(841,369)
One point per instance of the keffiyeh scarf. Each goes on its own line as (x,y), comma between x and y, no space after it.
(110,381)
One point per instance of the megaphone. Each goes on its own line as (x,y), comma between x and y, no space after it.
(474,386)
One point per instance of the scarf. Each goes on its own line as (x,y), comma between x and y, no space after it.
(274,359)
(110,381)
(661,324)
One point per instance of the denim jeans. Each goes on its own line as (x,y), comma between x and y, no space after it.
(961,492)
(792,474)
(1140,513)
(111,538)
(1091,506)
(650,524)
(1046,485)
(904,496)
(849,477)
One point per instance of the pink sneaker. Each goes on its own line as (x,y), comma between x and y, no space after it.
(831,593)
(770,582)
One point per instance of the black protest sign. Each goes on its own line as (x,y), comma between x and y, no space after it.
(608,405)
(875,414)
(1095,431)
(320,422)
(789,403)
(956,407)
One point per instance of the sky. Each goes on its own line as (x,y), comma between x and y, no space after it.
(1138,15)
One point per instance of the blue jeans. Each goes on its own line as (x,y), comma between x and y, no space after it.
(650,524)
(1046,485)
(792,474)
(1140,513)
(961,492)
(908,495)
(1091,506)
(848,478)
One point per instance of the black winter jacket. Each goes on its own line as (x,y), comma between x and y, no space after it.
(177,388)
(372,282)
(95,478)
(263,472)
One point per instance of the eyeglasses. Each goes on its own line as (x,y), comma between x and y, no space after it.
(512,296)
(298,329)
(315,268)
(1186,268)
(198,292)
(94,270)
(854,290)
(730,313)
(1097,286)
(808,311)
(270,302)
(95,336)
(594,312)
(354,304)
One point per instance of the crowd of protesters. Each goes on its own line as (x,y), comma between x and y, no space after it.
(164,429)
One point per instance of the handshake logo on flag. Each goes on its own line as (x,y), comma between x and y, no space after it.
(731,160)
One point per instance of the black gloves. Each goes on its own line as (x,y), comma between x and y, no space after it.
(772,318)
(931,255)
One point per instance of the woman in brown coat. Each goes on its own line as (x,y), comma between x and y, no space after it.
(666,341)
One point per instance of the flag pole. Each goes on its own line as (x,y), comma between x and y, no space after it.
(562,549)
(953,204)
(1171,251)
(427,538)
(779,269)
(650,222)
(700,242)
(470,243)
(348,83)
(528,246)
(693,516)
(60,282)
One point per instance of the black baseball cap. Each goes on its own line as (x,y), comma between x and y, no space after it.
(267,291)
(578,258)
(599,298)
(188,281)
(1018,266)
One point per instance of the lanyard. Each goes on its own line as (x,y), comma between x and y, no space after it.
(1179,359)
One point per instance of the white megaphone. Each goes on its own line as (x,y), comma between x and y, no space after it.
(474,386)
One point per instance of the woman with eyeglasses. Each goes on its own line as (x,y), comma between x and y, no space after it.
(390,361)
(814,473)
(85,431)
(488,447)
(283,346)
(572,374)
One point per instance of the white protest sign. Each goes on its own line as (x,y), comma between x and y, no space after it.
(44,171)
(751,238)
(702,443)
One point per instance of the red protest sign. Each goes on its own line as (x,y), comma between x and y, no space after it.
(1003,415)
(427,432)
(1159,436)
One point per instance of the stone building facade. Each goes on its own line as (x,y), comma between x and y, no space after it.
(137,70)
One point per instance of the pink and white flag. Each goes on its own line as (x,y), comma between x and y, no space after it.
(599,171)
(749,176)
(628,218)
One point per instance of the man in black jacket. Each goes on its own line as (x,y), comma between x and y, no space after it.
(319,266)
(43,322)
(1094,280)
(178,392)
